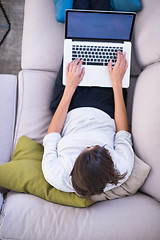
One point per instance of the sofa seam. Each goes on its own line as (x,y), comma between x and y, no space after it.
(14,113)
(2,216)
(19,111)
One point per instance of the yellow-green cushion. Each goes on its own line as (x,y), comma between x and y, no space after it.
(24,174)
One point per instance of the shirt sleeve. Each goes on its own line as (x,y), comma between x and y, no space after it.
(122,156)
(52,169)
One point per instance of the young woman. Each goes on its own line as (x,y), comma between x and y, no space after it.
(88,149)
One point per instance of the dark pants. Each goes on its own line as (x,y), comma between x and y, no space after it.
(97,97)
(92,4)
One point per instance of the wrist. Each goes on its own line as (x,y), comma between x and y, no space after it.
(117,87)
(68,92)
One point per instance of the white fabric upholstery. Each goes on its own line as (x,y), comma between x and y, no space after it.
(35,89)
(31,218)
(147,34)
(8,95)
(146,125)
(42,36)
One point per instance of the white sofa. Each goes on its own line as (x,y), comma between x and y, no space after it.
(24,108)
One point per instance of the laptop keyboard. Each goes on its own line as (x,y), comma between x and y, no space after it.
(95,55)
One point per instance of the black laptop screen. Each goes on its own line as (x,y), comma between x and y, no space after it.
(94,25)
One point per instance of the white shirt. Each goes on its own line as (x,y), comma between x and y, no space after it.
(84,127)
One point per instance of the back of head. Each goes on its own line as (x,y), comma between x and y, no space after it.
(93,170)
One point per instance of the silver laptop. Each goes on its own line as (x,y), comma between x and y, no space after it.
(95,37)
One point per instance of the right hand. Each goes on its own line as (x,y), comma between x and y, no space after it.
(117,72)
(74,75)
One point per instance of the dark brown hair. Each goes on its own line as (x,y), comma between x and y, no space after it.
(93,169)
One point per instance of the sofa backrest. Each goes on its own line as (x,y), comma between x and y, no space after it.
(42,44)
(146,102)
(147,34)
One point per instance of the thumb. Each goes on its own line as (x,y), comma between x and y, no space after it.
(67,68)
(82,74)
(110,66)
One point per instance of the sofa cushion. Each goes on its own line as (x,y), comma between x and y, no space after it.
(45,44)
(42,35)
(24,174)
(147,34)
(146,125)
(35,89)
(8,99)
(135,217)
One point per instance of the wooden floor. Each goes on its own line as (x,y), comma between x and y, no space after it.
(10,50)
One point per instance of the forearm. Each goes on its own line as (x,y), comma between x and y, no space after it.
(121,119)
(74,76)
(59,117)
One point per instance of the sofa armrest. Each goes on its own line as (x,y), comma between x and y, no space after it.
(146,127)
(35,90)
(8,97)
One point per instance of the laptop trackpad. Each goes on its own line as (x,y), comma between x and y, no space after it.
(96,76)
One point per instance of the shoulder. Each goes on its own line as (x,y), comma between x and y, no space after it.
(123,154)
(51,137)
(123,137)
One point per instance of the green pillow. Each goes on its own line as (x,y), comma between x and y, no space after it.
(24,174)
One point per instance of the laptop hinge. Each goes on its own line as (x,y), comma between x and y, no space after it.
(97,40)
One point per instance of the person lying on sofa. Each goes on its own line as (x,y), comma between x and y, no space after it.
(88,147)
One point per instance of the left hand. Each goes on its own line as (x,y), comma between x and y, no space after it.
(74,75)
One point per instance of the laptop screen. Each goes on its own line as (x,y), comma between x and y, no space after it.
(99,25)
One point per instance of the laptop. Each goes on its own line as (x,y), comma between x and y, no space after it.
(95,37)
